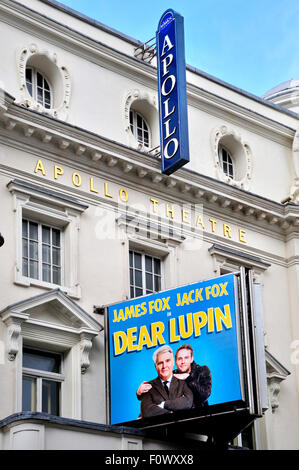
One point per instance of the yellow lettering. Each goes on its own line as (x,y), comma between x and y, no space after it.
(186,334)
(200,221)
(210,320)
(106,190)
(191,300)
(224,318)
(129,312)
(215,290)
(121,316)
(143,308)
(242,235)
(169,211)
(144,338)
(115,319)
(208,292)
(213,222)
(123,195)
(198,294)
(199,324)
(40,167)
(131,339)
(120,342)
(185,215)
(157,333)
(58,171)
(227,231)
(91,186)
(173,336)
(155,203)
(185,299)
(76,179)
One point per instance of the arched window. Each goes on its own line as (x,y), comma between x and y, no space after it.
(38,87)
(139,128)
(226,162)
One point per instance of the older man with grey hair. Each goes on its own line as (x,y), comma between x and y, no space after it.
(166,393)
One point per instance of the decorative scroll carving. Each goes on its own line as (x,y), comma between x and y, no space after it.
(85,348)
(13,341)
(274,389)
(13,321)
(276,373)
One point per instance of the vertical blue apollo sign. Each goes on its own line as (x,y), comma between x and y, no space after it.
(172,92)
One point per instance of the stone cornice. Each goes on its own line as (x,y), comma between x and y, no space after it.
(46,136)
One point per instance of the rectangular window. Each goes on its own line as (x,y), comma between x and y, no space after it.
(42,379)
(41,250)
(145,274)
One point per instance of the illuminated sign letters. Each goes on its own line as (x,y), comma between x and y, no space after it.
(172,92)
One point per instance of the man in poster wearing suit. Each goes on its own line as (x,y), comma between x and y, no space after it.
(167,393)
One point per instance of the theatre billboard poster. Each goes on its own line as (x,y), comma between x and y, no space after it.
(205,316)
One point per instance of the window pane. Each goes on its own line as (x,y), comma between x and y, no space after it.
(33,250)
(131,258)
(25,248)
(55,237)
(139,135)
(40,97)
(137,260)
(139,120)
(46,254)
(132,292)
(157,283)
(46,273)
(33,231)
(40,360)
(149,281)
(138,278)
(46,85)
(50,397)
(25,267)
(29,80)
(25,228)
(145,138)
(131,277)
(39,79)
(46,234)
(148,264)
(33,265)
(138,292)
(29,75)
(56,275)
(157,266)
(56,256)
(28,394)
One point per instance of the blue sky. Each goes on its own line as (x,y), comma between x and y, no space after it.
(251,44)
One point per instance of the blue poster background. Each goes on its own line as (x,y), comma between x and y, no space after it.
(216,349)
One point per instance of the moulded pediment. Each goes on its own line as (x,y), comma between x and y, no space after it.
(55,313)
(52,309)
(276,373)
